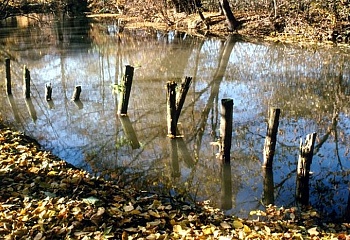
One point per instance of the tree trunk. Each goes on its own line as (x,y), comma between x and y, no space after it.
(230,18)
(187,6)
(303,170)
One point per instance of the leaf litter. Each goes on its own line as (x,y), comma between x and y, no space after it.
(44,197)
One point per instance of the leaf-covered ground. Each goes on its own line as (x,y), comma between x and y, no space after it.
(43,197)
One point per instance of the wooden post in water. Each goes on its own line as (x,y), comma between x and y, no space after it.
(76,94)
(303,170)
(226,129)
(126,86)
(8,75)
(174,105)
(171,108)
(271,137)
(48,92)
(26,81)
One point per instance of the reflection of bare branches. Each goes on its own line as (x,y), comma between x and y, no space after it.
(279,185)
(332,128)
(215,86)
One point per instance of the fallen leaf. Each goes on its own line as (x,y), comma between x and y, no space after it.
(313,231)
(237,224)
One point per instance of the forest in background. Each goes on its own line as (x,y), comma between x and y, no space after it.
(312,20)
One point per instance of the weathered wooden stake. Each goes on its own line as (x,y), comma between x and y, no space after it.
(76,94)
(226,129)
(26,81)
(185,85)
(171,109)
(8,75)
(303,170)
(174,105)
(271,137)
(48,92)
(126,86)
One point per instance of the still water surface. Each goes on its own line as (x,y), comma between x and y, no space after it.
(310,86)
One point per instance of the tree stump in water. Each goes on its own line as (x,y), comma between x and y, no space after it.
(171,109)
(26,80)
(48,92)
(126,85)
(226,129)
(8,76)
(76,94)
(303,170)
(271,137)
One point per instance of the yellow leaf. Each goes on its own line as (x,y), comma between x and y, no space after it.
(38,236)
(154,223)
(52,173)
(135,212)
(152,236)
(237,224)
(100,211)
(246,229)
(225,225)
(34,169)
(177,228)
(313,214)
(128,208)
(313,231)
(208,230)
(131,229)
(154,214)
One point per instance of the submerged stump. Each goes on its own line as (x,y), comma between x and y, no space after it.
(174,105)
(126,86)
(48,92)
(26,80)
(171,109)
(76,94)
(271,137)
(226,129)
(303,169)
(8,76)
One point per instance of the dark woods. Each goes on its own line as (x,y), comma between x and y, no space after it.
(316,20)
(10,8)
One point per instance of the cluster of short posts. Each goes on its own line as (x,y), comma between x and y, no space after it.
(26,84)
(306,151)
(175,102)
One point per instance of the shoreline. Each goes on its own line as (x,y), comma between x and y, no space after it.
(43,196)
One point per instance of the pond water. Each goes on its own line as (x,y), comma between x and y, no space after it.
(310,86)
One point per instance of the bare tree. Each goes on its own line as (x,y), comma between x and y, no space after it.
(3,8)
(187,6)
(230,18)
